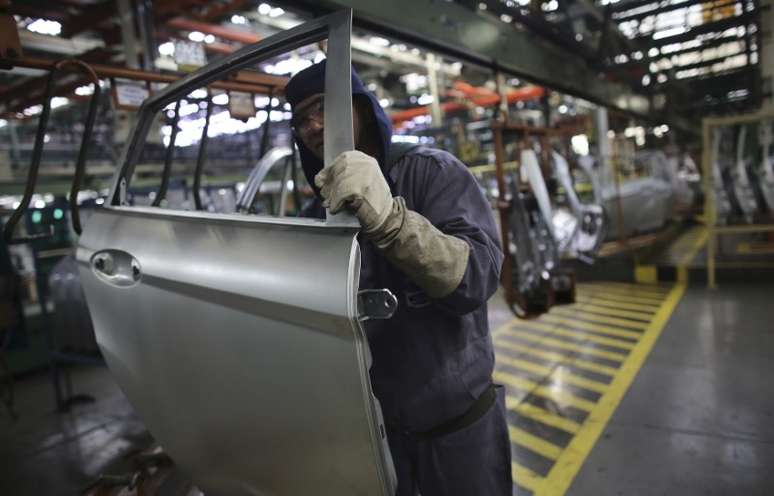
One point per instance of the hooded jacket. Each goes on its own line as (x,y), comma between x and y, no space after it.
(434,357)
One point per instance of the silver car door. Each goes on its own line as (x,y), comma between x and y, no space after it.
(237,337)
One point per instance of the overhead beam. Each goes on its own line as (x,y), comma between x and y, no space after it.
(488,42)
(240,36)
(245,81)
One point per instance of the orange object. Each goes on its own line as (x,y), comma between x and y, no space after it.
(473,96)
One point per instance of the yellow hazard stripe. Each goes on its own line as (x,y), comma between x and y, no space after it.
(588,326)
(577,313)
(564,345)
(579,334)
(630,289)
(629,314)
(566,467)
(595,293)
(557,357)
(561,375)
(526,478)
(554,394)
(534,443)
(541,415)
(602,302)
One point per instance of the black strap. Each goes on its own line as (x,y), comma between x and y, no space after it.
(475,412)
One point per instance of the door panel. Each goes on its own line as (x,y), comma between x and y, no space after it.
(236,337)
(239,348)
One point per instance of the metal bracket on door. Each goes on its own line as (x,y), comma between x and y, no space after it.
(376,304)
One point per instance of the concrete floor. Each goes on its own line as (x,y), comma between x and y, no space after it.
(696,420)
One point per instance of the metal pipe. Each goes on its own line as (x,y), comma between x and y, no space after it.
(168,159)
(202,155)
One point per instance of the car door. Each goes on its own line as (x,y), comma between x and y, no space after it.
(236,337)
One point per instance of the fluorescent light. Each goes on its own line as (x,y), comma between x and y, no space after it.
(44,26)
(379,41)
(167,48)
(196,36)
(425,99)
(200,93)
(669,32)
(59,101)
(84,90)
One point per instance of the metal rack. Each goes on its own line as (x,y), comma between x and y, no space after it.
(713,229)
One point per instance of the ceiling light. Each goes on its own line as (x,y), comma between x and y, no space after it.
(264,9)
(238,19)
(44,26)
(276,12)
(196,36)
(84,90)
(167,48)
(209,39)
(379,41)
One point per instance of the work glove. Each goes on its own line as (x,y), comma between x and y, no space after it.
(434,261)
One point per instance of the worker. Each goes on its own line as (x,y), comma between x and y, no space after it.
(428,235)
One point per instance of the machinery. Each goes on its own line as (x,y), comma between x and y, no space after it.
(766,171)
(287,331)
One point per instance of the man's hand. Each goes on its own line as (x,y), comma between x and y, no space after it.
(354,181)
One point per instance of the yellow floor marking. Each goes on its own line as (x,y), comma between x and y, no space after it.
(561,375)
(594,293)
(534,443)
(630,289)
(554,394)
(587,350)
(541,415)
(628,314)
(566,467)
(602,319)
(588,326)
(578,334)
(698,243)
(526,477)
(651,309)
(558,357)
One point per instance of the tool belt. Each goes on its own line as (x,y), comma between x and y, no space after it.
(477,410)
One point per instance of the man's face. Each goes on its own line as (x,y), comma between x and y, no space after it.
(308,123)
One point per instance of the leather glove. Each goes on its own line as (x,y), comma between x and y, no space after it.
(434,261)
(355,181)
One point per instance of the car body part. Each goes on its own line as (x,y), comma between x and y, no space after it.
(766,174)
(236,337)
(742,180)
(635,206)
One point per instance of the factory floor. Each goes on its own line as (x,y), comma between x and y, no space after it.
(633,390)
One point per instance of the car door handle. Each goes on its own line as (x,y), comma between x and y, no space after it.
(116,267)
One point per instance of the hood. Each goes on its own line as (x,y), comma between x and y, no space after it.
(311,81)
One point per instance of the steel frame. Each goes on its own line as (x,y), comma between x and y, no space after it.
(710,212)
